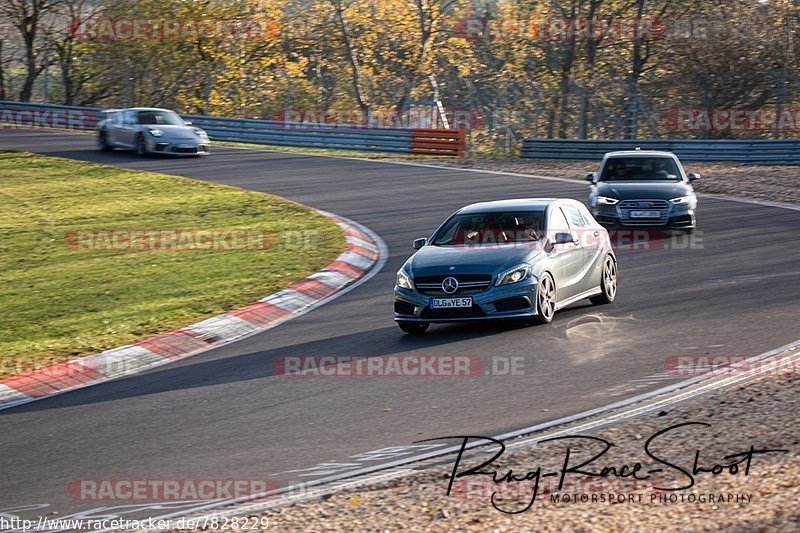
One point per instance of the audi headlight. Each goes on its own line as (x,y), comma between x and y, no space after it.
(605,200)
(155,132)
(515,275)
(683,200)
(404,280)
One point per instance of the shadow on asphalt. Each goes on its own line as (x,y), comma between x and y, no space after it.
(193,373)
(115,157)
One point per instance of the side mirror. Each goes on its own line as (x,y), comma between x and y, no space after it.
(419,243)
(693,176)
(564,238)
(590,177)
(187,122)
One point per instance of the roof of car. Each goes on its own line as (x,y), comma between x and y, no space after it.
(146,109)
(518,204)
(640,153)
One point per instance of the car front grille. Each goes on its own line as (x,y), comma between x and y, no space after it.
(626,207)
(179,150)
(644,204)
(456,312)
(467,284)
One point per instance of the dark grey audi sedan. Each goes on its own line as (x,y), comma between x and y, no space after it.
(513,259)
(643,189)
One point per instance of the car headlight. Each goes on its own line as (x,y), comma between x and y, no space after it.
(404,280)
(155,132)
(515,275)
(682,200)
(605,200)
(200,133)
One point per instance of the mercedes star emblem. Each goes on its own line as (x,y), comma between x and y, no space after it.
(450,285)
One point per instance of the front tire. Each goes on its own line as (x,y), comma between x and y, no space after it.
(102,141)
(545,300)
(141,146)
(414,328)
(608,283)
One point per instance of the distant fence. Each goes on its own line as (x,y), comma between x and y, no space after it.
(746,151)
(269,132)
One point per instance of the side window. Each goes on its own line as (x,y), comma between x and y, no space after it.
(129,118)
(575,217)
(557,223)
(587,216)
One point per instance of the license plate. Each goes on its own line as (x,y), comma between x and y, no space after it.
(450,303)
(645,214)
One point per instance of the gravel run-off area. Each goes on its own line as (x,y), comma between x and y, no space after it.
(764,413)
(777,183)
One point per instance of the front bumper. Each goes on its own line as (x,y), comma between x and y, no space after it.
(516,301)
(178,147)
(674,217)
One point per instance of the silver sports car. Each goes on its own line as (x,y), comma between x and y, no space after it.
(512,259)
(151,130)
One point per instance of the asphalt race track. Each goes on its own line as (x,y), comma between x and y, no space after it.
(223,415)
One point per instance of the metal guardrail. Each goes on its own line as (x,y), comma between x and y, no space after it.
(746,151)
(27,115)
(268,132)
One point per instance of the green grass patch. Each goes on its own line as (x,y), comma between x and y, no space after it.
(58,302)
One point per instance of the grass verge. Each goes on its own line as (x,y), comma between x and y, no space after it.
(64,296)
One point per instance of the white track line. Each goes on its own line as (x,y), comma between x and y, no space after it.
(302,492)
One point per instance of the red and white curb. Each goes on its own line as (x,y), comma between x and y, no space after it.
(364,255)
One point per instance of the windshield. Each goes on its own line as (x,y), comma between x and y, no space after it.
(151,118)
(640,169)
(490,228)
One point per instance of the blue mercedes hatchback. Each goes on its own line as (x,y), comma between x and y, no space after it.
(514,259)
